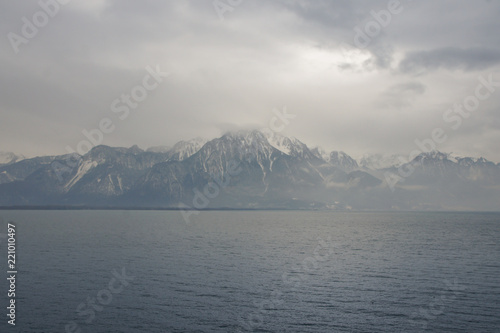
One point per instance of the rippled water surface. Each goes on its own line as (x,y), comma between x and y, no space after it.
(254,271)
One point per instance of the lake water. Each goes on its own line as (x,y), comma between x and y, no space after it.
(150,271)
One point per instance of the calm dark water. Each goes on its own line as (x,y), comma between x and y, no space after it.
(253,271)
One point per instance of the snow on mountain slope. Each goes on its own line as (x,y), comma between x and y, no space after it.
(83,169)
(290,146)
(321,154)
(184,149)
(242,145)
(436,167)
(282,143)
(271,172)
(338,159)
(343,161)
(9,158)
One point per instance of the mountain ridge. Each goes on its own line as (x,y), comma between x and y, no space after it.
(275,172)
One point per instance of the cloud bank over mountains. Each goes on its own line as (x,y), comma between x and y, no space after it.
(417,60)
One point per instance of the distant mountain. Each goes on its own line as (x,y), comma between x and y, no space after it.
(343,161)
(185,149)
(247,169)
(290,146)
(439,168)
(14,171)
(445,182)
(321,153)
(9,158)
(381,161)
(338,159)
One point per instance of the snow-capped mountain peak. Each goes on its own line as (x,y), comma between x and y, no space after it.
(343,161)
(242,143)
(321,154)
(249,169)
(9,158)
(433,156)
(290,146)
(184,149)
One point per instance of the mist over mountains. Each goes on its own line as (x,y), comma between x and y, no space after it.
(249,170)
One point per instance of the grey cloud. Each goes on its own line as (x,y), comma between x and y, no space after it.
(410,87)
(382,56)
(265,54)
(451,58)
(402,94)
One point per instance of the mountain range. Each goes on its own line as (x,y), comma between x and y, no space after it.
(249,170)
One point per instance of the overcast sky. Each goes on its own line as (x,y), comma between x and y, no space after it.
(230,68)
